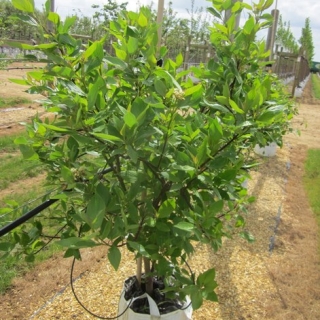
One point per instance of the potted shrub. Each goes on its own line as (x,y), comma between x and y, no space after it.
(143,158)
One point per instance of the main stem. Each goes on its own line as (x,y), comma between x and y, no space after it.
(148,276)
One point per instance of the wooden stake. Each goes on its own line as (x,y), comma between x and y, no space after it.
(159,22)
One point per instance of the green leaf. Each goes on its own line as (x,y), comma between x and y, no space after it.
(247,236)
(19,45)
(193,89)
(20,81)
(114,256)
(185,226)
(61,71)
(133,44)
(26,18)
(166,208)
(76,243)
(214,12)
(95,50)
(139,248)
(5,246)
(55,128)
(106,137)
(24,5)
(72,87)
(196,297)
(67,174)
(222,100)
(54,17)
(121,54)
(179,60)
(94,90)
(202,153)
(216,207)
(95,211)
(160,87)
(164,227)
(216,106)
(207,278)
(72,253)
(21,140)
(116,62)
(249,26)
(271,114)
(142,20)
(50,45)
(28,153)
(68,23)
(132,154)
(47,6)
(268,4)
(235,107)
(30,258)
(130,119)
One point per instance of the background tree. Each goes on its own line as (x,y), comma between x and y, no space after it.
(285,37)
(306,41)
(13,28)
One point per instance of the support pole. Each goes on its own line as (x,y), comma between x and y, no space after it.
(52,9)
(272,33)
(159,22)
(228,15)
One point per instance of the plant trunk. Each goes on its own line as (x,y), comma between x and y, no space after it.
(139,270)
(148,276)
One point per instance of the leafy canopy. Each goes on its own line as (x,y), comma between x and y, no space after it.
(144,157)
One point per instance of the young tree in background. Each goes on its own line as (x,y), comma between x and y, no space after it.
(306,41)
(285,37)
(12,28)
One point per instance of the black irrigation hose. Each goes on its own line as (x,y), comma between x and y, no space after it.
(84,307)
(36,210)
(29,202)
(26,217)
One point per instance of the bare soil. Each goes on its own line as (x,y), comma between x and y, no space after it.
(10,120)
(276,278)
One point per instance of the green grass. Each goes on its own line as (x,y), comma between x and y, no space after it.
(312,180)
(13,102)
(10,266)
(7,142)
(14,168)
(315,86)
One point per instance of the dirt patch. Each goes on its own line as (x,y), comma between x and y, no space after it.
(42,283)
(276,278)
(21,186)
(10,118)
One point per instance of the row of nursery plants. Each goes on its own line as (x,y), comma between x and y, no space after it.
(144,158)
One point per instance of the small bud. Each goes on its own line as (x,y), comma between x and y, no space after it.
(178,94)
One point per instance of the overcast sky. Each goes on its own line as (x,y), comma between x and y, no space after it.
(295,11)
